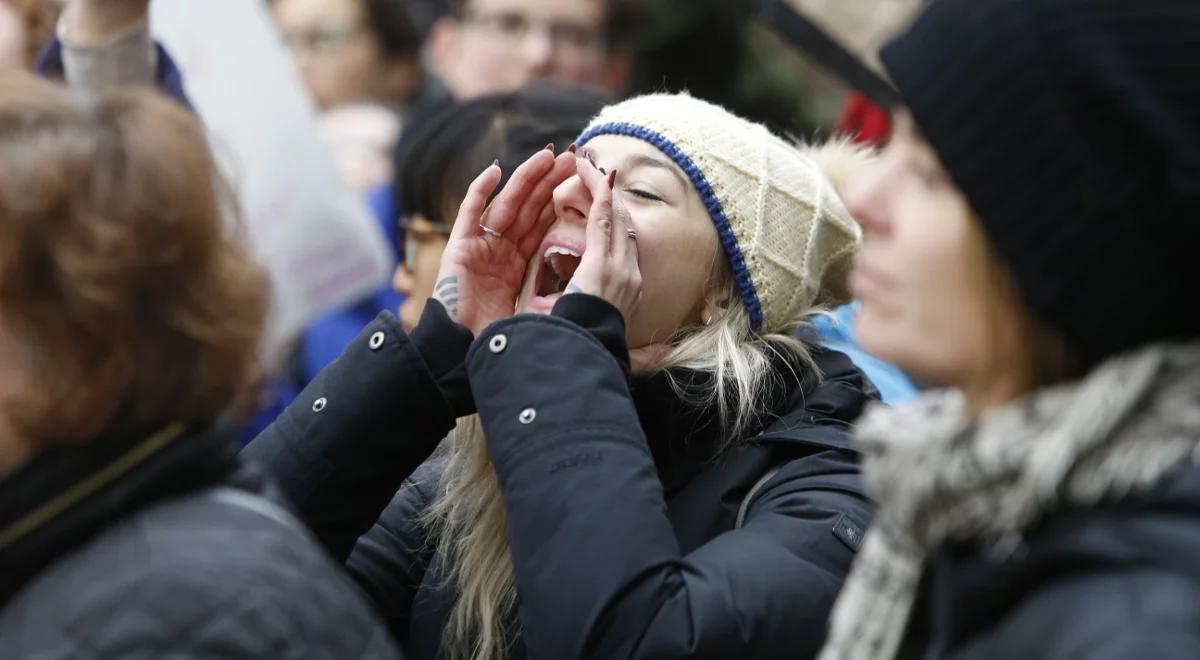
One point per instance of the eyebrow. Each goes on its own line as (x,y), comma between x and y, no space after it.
(642,160)
(649,161)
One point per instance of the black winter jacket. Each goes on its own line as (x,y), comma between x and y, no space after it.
(163,545)
(1118,581)
(621,510)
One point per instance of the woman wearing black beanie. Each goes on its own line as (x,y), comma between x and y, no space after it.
(1028,240)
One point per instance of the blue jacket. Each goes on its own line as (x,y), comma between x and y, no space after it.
(838,334)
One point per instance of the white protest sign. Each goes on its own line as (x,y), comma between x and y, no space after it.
(315,236)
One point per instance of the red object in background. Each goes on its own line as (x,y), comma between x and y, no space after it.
(863,121)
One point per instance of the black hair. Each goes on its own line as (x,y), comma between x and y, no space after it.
(393,26)
(437,160)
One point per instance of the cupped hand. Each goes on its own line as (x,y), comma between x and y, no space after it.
(491,245)
(609,266)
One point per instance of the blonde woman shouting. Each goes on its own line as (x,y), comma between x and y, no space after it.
(706,506)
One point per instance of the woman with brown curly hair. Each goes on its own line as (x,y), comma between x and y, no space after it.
(130,320)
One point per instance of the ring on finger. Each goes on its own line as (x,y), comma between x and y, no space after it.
(631,233)
(489,231)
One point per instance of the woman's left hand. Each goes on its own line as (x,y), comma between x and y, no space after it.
(609,266)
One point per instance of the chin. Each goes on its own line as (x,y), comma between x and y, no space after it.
(879,337)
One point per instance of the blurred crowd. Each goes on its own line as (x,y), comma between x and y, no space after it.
(709,329)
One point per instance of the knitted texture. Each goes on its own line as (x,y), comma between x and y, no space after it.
(1073,128)
(789,239)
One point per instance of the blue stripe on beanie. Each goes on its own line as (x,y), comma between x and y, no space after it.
(737,264)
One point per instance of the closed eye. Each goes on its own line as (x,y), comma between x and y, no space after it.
(644,195)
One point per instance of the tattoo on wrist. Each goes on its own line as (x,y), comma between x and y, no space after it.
(446,291)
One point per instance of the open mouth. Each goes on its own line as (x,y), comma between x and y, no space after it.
(558,267)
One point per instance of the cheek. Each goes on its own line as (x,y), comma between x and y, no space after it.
(675,270)
(356,64)
(931,322)
(425,270)
(484,69)
(410,312)
(579,70)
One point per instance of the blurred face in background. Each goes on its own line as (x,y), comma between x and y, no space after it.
(934,299)
(503,45)
(424,242)
(339,58)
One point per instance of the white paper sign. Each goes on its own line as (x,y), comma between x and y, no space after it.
(315,236)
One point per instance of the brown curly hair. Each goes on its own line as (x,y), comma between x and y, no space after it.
(125,298)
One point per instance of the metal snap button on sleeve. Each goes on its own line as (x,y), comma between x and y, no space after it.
(498,344)
(376,341)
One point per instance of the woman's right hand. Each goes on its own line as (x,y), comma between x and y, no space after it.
(482,269)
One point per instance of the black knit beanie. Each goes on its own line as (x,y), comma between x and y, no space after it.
(1073,128)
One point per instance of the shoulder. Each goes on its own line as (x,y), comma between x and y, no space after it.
(821,412)
(1131,561)
(196,573)
(1109,612)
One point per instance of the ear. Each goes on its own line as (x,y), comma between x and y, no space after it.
(618,68)
(443,48)
(707,312)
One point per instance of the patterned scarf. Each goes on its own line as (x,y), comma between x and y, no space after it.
(940,476)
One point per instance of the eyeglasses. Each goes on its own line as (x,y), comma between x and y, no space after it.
(418,234)
(322,40)
(513,27)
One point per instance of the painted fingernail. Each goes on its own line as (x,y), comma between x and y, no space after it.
(496,163)
(612,179)
(550,147)
(572,148)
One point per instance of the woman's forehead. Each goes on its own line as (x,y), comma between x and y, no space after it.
(624,151)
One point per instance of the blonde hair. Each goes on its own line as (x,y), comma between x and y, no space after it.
(469,520)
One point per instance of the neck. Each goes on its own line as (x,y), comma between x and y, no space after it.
(995,387)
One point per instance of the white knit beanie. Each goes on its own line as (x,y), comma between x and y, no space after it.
(788,237)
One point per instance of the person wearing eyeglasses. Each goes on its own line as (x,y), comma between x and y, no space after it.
(360,60)
(488,46)
(352,50)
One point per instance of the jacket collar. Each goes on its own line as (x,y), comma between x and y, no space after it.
(804,410)
(821,413)
(65,495)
